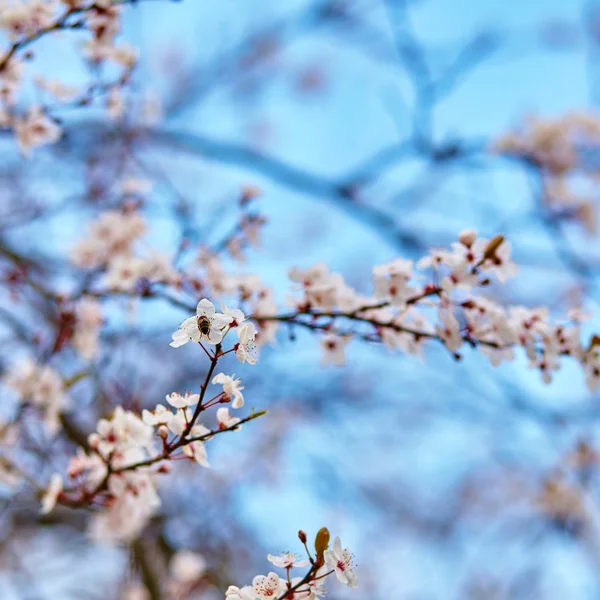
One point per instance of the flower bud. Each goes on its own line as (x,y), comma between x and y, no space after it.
(302,536)
(93,440)
(493,245)
(594,342)
(256,415)
(163,432)
(321,543)
(467,237)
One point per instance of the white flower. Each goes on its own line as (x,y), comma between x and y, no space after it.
(180,420)
(89,321)
(435,259)
(225,420)
(187,567)
(182,400)
(341,562)
(36,129)
(159,416)
(322,289)
(124,272)
(26,19)
(287,560)
(235,593)
(237,317)
(135,501)
(92,467)
(334,349)
(247,350)
(268,587)
(52,493)
(449,331)
(591,365)
(43,387)
(546,363)
(110,236)
(231,388)
(122,432)
(312,591)
(500,263)
(206,326)
(391,281)
(316,274)
(197,451)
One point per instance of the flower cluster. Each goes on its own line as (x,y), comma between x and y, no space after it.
(24,22)
(328,561)
(406,310)
(119,471)
(42,387)
(130,495)
(88,321)
(441,297)
(563,150)
(110,244)
(211,327)
(258,297)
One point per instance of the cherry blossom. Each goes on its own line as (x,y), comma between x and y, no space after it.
(206,326)
(340,560)
(235,593)
(159,416)
(182,400)
(88,323)
(225,420)
(43,387)
(197,452)
(309,587)
(247,350)
(334,349)
(35,129)
(232,390)
(268,587)
(312,591)
(287,560)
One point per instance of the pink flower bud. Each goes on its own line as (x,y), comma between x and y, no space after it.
(467,237)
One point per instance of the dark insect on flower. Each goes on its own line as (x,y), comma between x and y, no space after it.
(204,325)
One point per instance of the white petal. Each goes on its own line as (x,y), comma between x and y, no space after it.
(189,325)
(219,321)
(214,336)
(220,378)
(179,338)
(205,307)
